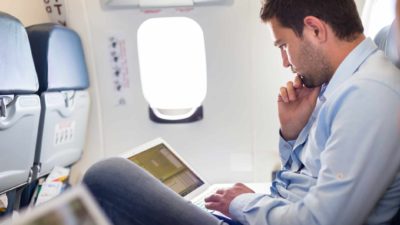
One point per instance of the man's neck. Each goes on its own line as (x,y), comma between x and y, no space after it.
(341,49)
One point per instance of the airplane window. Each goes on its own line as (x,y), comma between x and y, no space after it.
(172,64)
(377,14)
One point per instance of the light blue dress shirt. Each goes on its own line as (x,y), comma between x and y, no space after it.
(344,168)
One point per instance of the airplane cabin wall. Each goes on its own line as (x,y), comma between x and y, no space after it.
(219,146)
(28,12)
(360,5)
(238,138)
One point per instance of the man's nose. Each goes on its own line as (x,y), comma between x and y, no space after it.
(285,60)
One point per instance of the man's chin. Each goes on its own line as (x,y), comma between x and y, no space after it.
(305,81)
(308,83)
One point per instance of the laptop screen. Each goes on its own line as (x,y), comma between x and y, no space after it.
(165,166)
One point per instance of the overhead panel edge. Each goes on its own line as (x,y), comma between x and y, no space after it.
(145,4)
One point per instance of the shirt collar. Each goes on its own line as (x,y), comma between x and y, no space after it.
(350,65)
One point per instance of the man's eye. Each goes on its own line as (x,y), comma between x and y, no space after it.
(282,47)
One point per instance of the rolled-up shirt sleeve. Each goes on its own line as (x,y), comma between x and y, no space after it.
(285,149)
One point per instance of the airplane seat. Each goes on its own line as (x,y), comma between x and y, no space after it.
(19,105)
(386,40)
(63,82)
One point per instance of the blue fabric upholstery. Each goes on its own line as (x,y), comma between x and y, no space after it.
(59,58)
(386,40)
(17,71)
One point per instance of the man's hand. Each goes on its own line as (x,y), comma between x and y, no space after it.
(221,200)
(295,105)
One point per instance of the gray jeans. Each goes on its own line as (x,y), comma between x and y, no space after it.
(130,195)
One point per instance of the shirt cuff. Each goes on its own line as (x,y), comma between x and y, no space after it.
(238,204)
(285,149)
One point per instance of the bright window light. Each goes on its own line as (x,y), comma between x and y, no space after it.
(377,14)
(172,63)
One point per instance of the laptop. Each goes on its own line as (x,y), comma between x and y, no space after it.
(164,163)
(74,207)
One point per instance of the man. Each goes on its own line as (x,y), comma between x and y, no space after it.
(339,147)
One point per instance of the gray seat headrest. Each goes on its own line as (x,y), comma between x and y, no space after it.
(387,41)
(17,71)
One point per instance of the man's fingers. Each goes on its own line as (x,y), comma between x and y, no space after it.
(298,83)
(213,198)
(220,191)
(213,205)
(288,93)
(291,91)
(280,98)
(239,185)
(284,94)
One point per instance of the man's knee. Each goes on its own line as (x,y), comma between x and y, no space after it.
(107,173)
(117,173)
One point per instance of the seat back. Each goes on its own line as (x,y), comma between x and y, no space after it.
(63,78)
(386,40)
(19,105)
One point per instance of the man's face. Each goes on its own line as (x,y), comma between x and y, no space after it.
(301,55)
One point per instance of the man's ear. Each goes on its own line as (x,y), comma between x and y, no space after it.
(315,28)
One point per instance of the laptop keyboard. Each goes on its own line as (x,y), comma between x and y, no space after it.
(199,201)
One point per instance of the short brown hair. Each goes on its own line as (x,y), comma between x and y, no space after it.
(341,15)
